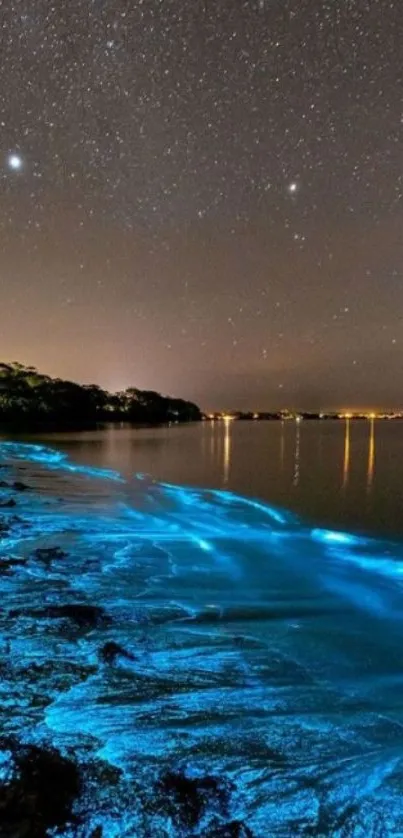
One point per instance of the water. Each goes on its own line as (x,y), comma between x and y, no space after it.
(337,474)
(212,665)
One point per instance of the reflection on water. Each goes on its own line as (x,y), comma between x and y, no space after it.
(296,475)
(324,470)
(282,447)
(346,458)
(219,453)
(371,455)
(213,428)
(227,450)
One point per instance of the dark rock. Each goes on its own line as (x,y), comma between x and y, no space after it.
(234,829)
(40,793)
(85,617)
(8,504)
(186,799)
(111,650)
(7,565)
(19,486)
(97,832)
(48,554)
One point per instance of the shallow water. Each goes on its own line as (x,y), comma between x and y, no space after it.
(249,647)
(338,474)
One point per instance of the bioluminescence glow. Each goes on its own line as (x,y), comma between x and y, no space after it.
(205,665)
(52,458)
(332,537)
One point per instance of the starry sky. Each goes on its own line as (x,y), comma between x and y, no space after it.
(205,197)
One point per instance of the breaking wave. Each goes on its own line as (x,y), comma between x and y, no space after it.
(204,664)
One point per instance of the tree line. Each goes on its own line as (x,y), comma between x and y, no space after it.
(30,399)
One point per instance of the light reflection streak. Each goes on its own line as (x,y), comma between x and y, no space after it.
(227,450)
(282,446)
(212,426)
(296,476)
(346,459)
(371,455)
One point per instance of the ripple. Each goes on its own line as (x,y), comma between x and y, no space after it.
(177,644)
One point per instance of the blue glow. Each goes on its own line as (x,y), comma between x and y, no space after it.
(332,537)
(52,458)
(202,635)
(204,545)
(270,511)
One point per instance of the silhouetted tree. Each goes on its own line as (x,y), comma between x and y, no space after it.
(29,398)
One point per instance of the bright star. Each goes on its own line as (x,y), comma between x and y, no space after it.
(293,187)
(15,162)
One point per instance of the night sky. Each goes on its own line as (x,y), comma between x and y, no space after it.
(205,198)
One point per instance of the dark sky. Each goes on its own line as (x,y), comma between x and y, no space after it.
(205,197)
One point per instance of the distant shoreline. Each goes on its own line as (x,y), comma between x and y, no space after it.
(34,401)
(285,416)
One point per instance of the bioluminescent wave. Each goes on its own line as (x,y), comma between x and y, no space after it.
(191,663)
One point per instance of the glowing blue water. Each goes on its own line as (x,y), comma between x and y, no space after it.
(247,646)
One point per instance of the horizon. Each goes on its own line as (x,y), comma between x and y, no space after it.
(292,408)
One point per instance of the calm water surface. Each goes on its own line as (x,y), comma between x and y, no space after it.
(342,474)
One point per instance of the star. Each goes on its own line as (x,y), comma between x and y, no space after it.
(14,162)
(245,198)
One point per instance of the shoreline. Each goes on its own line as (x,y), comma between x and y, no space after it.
(176,661)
